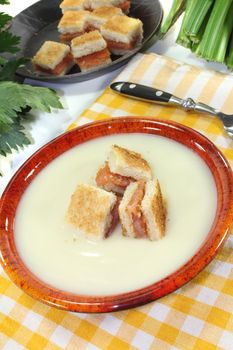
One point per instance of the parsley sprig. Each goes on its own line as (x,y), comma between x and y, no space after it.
(17,98)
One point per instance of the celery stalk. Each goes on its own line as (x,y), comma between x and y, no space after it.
(196,38)
(197,18)
(178,7)
(229,58)
(219,27)
(183,38)
(207,28)
(224,38)
(195,14)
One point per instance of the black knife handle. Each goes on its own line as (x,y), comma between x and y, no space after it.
(141,92)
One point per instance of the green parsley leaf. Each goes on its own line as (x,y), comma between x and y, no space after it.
(3,61)
(10,102)
(8,42)
(14,97)
(17,99)
(7,72)
(40,98)
(11,138)
(4,2)
(4,19)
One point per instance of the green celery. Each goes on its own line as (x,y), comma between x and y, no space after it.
(178,7)
(196,20)
(196,38)
(193,11)
(229,58)
(182,38)
(214,42)
(225,37)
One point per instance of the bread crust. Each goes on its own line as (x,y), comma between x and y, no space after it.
(66,3)
(100,3)
(73,21)
(122,29)
(125,219)
(50,54)
(128,163)
(87,44)
(154,210)
(72,5)
(90,210)
(142,210)
(101,15)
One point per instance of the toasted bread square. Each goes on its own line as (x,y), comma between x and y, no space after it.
(87,44)
(128,163)
(50,54)
(99,3)
(72,5)
(73,21)
(102,14)
(122,29)
(154,210)
(90,210)
(125,219)
(143,214)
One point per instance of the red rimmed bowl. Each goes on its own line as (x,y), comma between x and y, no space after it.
(25,279)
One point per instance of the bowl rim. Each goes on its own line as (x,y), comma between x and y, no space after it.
(29,283)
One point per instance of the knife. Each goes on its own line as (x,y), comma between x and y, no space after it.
(149,94)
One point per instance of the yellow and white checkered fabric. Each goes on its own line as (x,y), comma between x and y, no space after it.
(199,315)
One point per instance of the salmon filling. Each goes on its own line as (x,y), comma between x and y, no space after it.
(122,46)
(69,36)
(60,68)
(93,60)
(125,6)
(111,181)
(135,213)
(91,28)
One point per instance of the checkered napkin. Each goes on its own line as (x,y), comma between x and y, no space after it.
(199,315)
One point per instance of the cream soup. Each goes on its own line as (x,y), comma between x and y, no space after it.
(61,256)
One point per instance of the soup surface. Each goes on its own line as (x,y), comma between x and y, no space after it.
(61,256)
